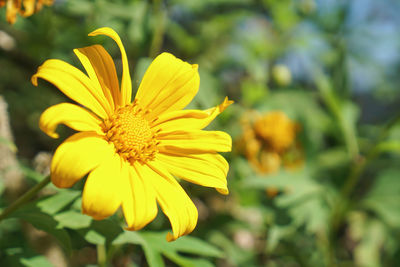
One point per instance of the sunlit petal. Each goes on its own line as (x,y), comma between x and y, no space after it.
(103,191)
(139,201)
(169,84)
(203,169)
(196,141)
(77,156)
(174,201)
(101,70)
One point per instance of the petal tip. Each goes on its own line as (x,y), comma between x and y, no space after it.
(225,104)
(34,80)
(101,31)
(170,237)
(223,191)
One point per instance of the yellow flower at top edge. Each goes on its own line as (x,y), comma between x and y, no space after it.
(131,150)
(23,7)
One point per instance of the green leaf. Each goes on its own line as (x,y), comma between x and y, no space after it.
(36,261)
(187,262)
(284,180)
(128,237)
(154,245)
(153,256)
(17,256)
(186,244)
(72,219)
(384,197)
(234,255)
(57,202)
(389,146)
(369,248)
(44,222)
(102,232)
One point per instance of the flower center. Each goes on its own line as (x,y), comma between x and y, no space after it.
(131,134)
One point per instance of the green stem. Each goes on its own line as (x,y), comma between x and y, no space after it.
(24,198)
(342,205)
(101,256)
(358,169)
(332,102)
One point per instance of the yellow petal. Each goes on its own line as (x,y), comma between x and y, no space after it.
(139,202)
(126,84)
(103,191)
(73,83)
(196,141)
(71,115)
(189,119)
(76,156)
(29,8)
(12,10)
(169,84)
(101,70)
(203,169)
(174,201)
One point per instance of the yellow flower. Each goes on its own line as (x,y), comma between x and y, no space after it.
(130,150)
(269,140)
(24,7)
(277,130)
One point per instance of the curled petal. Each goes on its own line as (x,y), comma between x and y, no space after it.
(126,84)
(174,201)
(77,156)
(74,84)
(189,119)
(101,70)
(169,84)
(71,115)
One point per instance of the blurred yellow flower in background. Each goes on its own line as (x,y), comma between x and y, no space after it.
(269,141)
(130,150)
(25,8)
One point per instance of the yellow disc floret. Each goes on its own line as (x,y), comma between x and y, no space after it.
(131,134)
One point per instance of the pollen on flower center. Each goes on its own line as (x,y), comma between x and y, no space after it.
(131,134)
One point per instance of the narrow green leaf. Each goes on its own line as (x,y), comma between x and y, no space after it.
(384,197)
(193,245)
(36,261)
(57,202)
(102,232)
(72,219)
(153,256)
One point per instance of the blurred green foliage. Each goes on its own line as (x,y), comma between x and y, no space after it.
(332,66)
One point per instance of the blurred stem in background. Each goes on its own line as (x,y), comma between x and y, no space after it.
(348,128)
(160,21)
(337,109)
(24,198)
